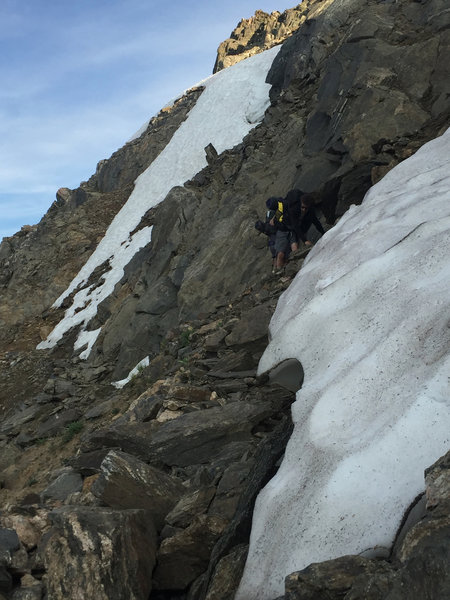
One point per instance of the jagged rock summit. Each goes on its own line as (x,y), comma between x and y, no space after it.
(356,87)
(264,30)
(258,33)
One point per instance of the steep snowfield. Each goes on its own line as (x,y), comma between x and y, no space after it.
(233,103)
(369,319)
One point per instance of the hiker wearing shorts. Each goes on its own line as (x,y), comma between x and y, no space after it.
(286,238)
(294,216)
(268,228)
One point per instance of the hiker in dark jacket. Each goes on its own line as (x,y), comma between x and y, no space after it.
(268,228)
(294,216)
(285,218)
(271,204)
(308,217)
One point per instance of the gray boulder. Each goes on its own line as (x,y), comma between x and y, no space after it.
(9,543)
(66,483)
(57,422)
(190,439)
(333,579)
(127,482)
(251,328)
(15,422)
(99,553)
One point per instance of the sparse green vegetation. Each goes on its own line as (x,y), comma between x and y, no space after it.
(72,430)
(185,337)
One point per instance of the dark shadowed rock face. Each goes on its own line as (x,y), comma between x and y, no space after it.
(361,59)
(185,555)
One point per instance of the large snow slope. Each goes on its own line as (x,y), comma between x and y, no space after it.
(233,103)
(368,317)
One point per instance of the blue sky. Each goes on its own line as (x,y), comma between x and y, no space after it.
(79,78)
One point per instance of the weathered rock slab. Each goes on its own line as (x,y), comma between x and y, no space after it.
(66,483)
(127,482)
(227,574)
(252,327)
(191,505)
(99,553)
(57,422)
(332,579)
(183,557)
(192,438)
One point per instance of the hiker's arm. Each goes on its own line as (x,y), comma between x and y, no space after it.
(317,224)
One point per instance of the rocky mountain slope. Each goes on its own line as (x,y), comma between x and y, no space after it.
(159,476)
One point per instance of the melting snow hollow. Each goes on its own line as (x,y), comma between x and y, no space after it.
(368,318)
(233,103)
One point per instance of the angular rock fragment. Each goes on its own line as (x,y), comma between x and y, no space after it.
(57,422)
(190,506)
(183,557)
(332,579)
(193,438)
(252,327)
(66,483)
(30,589)
(227,574)
(127,482)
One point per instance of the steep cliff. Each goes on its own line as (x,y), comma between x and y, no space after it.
(357,87)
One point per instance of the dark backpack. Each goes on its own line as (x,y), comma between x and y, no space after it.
(265,228)
(291,210)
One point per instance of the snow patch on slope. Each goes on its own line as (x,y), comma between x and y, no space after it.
(368,318)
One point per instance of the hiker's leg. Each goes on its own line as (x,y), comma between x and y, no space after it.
(280,260)
(293,241)
(282,246)
(273,251)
